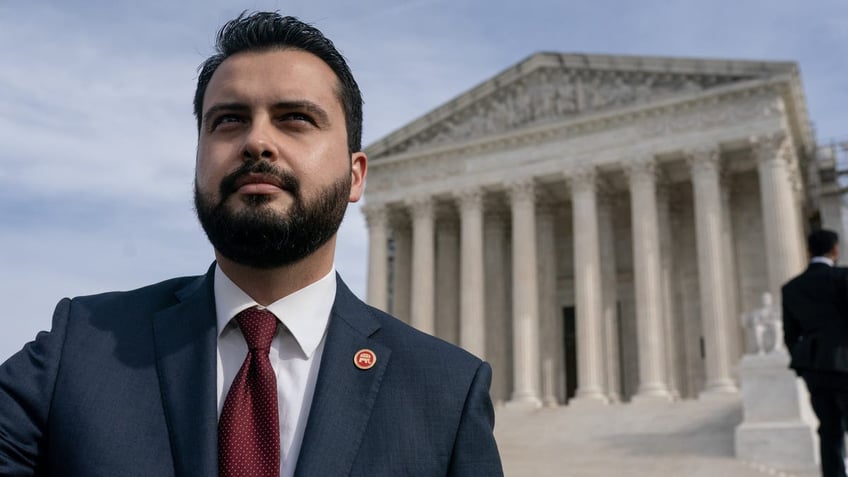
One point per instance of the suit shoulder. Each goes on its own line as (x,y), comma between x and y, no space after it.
(797,280)
(153,295)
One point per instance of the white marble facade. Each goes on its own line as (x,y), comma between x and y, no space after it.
(593,226)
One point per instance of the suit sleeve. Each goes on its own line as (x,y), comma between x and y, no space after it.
(475,452)
(27,381)
(791,330)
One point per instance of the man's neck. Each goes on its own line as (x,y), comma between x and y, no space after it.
(269,285)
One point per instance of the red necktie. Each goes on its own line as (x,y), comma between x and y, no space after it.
(249,427)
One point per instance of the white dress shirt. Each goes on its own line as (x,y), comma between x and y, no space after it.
(822,259)
(295,352)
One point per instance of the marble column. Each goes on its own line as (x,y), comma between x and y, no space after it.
(780,218)
(378,261)
(401,268)
(648,286)
(423,269)
(472,304)
(447,276)
(587,286)
(609,280)
(525,303)
(711,269)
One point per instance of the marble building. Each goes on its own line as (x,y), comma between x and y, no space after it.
(594,226)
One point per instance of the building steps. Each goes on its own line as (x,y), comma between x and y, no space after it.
(692,438)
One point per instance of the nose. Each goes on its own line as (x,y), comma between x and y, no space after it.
(259,143)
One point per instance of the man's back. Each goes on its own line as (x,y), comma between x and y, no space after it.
(815,317)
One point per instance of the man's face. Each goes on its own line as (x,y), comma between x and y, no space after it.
(274,174)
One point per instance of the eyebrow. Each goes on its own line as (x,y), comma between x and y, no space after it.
(321,116)
(215,109)
(318,112)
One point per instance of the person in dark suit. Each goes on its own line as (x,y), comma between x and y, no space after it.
(267,364)
(815,323)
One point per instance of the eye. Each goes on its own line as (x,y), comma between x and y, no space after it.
(225,119)
(297,116)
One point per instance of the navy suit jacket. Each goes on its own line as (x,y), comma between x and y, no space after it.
(815,320)
(124,385)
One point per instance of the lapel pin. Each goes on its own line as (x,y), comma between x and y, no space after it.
(365,359)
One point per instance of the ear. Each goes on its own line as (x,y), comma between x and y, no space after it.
(358,171)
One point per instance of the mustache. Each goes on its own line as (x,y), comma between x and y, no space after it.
(287,180)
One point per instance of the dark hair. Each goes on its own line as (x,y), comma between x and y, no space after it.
(263,31)
(821,242)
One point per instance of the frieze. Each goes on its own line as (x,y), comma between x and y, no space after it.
(712,115)
(403,176)
(553,94)
(762,101)
(411,171)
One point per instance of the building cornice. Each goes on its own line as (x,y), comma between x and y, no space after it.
(779,87)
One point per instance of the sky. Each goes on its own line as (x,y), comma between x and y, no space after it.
(97,137)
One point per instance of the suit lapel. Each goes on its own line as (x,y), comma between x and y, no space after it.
(344,395)
(185,339)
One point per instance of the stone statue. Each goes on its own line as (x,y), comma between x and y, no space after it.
(764,327)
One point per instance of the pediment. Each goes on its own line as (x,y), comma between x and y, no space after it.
(548,87)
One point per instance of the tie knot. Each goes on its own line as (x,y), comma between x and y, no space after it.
(258,327)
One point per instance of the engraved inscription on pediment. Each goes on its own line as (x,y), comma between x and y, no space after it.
(550,94)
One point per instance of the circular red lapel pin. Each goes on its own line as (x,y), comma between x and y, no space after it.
(365,359)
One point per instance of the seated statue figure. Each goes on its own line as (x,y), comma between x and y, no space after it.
(765,326)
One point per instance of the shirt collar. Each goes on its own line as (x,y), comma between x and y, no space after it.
(305,313)
(825,260)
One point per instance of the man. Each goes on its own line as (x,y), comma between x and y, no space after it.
(815,322)
(267,365)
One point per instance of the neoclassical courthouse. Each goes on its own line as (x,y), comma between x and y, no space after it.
(594,225)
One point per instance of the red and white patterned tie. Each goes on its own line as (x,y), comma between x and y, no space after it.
(249,427)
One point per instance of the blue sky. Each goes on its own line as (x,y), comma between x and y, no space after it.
(97,137)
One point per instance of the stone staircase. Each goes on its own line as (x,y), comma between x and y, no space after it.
(692,438)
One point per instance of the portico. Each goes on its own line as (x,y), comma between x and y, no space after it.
(611,218)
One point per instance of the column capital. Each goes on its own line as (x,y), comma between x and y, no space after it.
(421,207)
(768,148)
(582,178)
(470,199)
(641,168)
(376,214)
(521,190)
(703,160)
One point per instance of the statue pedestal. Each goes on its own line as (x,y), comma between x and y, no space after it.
(779,426)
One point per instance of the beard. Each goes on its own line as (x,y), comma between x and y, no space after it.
(260,237)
